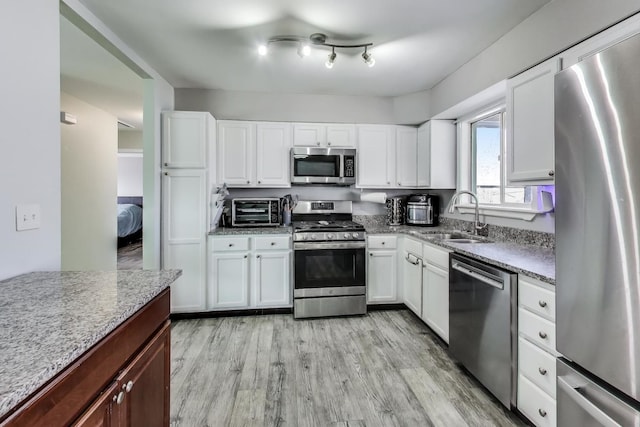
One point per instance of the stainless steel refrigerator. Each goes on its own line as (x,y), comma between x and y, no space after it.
(597,139)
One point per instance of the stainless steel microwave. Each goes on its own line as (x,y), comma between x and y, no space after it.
(255,212)
(323,165)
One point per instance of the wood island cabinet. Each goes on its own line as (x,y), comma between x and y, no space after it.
(121,381)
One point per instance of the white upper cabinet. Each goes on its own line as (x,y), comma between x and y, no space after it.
(437,154)
(236,147)
(324,135)
(186,137)
(406,157)
(530,125)
(273,143)
(341,135)
(376,156)
(253,154)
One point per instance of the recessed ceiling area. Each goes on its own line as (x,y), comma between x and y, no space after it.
(90,73)
(212,44)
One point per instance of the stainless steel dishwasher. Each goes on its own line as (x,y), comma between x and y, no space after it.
(483,324)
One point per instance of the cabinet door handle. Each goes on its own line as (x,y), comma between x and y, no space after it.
(166,164)
(257,256)
(542,371)
(542,303)
(119,398)
(551,173)
(542,335)
(230,244)
(166,174)
(328,143)
(273,243)
(248,182)
(245,256)
(317,143)
(399,184)
(382,243)
(128,386)
(542,412)
(388,182)
(259,182)
(370,253)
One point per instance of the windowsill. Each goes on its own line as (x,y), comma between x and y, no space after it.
(525,214)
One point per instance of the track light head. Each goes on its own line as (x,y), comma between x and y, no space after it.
(331,59)
(368,59)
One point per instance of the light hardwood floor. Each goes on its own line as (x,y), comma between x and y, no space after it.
(383,369)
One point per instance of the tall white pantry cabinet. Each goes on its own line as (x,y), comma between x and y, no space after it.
(188,139)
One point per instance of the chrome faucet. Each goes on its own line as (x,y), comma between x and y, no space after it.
(451,207)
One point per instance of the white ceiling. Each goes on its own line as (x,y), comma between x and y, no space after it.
(212,44)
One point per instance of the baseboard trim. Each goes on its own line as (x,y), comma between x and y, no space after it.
(231,313)
(380,307)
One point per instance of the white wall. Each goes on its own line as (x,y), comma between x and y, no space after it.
(88,186)
(30,142)
(130,140)
(553,28)
(130,172)
(287,107)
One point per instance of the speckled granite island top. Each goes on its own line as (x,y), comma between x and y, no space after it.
(534,261)
(49,319)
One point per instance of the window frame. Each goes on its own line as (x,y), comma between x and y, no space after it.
(466,169)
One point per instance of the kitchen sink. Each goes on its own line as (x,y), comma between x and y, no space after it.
(455,238)
(465,240)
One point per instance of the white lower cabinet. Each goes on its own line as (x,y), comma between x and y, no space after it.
(435,289)
(382,269)
(272,278)
(412,275)
(249,272)
(536,394)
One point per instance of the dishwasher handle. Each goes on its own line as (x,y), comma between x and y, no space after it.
(478,274)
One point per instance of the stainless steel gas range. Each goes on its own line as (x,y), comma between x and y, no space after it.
(329,260)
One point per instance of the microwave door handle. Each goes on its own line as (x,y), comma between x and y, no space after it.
(430,216)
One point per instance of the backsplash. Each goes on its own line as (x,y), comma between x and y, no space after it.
(493,232)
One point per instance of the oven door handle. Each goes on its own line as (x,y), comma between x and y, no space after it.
(300,246)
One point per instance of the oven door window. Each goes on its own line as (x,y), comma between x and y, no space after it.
(252,213)
(320,166)
(325,268)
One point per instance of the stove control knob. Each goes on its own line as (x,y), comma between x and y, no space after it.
(330,236)
(301,237)
(312,236)
(356,235)
(346,235)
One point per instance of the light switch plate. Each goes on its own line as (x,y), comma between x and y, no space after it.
(27,217)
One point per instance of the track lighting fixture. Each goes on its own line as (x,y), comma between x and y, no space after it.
(318,39)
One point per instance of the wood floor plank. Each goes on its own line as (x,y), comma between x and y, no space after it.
(383,369)
(248,409)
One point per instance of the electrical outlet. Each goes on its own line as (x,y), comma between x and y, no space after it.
(27,217)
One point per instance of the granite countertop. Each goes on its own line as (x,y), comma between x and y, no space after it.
(49,319)
(239,231)
(530,260)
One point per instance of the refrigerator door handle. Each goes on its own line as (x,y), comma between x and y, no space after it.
(582,401)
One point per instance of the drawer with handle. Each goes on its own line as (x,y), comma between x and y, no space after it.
(227,244)
(382,242)
(272,242)
(537,365)
(541,331)
(536,298)
(537,405)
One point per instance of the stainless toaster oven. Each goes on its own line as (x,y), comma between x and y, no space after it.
(255,212)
